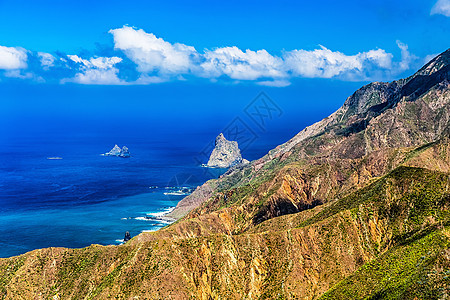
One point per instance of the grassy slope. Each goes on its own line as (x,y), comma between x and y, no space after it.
(418,268)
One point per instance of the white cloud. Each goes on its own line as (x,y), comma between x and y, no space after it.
(274,83)
(102,63)
(16,73)
(99,70)
(13,58)
(429,57)
(442,7)
(236,64)
(320,63)
(97,76)
(158,60)
(324,63)
(407,58)
(146,79)
(143,58)
(77,59)
(378,57)
(47,60)
(151,53)
(155,55)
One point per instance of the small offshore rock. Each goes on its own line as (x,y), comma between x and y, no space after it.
(125,152)
(116,151)
(127,237)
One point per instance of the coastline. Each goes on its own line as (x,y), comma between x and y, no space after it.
(102,223)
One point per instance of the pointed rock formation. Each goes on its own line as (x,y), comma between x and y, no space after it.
(116,151)
(225,153)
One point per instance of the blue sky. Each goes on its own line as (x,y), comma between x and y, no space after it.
(268,43)
(94,64)
(347,26)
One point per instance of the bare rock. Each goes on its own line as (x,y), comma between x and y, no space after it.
(225,153)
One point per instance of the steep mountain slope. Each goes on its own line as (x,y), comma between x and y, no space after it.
(343,151)
(354,206)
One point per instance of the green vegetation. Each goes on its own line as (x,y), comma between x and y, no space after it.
(417,269)
(7,270)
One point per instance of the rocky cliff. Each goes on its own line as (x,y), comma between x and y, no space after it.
(355,206)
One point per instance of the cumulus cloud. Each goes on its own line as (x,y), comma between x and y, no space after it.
(99,70)
(324,63)
(46,59)
(102,63)
(139,57)
(442,7)
(237,64)
(320,63)
(151,53)
(97,76)
(160,60)
(13,58)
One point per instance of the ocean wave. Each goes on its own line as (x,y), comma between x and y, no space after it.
(176,193)
(158,221)
(164,222)
(161,213)
(144,219)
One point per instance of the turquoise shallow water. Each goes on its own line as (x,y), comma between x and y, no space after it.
(102,223)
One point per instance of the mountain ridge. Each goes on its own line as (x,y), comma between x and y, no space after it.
(360,105)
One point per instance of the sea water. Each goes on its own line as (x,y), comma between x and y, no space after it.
(60,192)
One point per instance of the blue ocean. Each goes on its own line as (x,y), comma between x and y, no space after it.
(56,190)
(59,191)
(62,192)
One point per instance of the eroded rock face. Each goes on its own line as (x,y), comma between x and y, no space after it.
(225,153)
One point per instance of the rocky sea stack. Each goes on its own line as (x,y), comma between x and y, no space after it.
(117,151)
(225,153)
(127,237)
